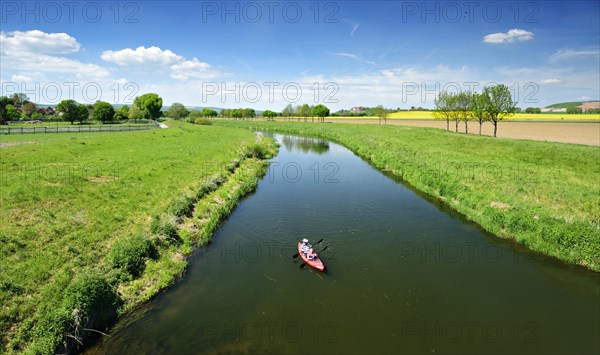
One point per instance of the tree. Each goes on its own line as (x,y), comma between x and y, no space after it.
(19,99)
(103,112)
(462,105)
(477,108)
(248,113)
(320,111)
(304,111)
(532,110)
(381,112)
(12,114)
(574,110)
(269,115)
(122,113)
(444,107)
(499,105)
(29,108)
(135,113)
(237,113)
(226,113)
(4,102)
(83,113)
(150,105)
(69,111)
(177,111)
(288,111)
(209,112)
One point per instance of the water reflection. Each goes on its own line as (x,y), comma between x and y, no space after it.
(305,144)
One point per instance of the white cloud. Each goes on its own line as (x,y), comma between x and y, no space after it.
(36,51)
(584,98)
(20,78)
(142,56)
(354,28)
(37,42)
(154,58)
(341,54)
(550,81)
(569,54)
(514,35)
(192,69)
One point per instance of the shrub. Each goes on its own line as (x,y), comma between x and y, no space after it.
(129,255)
(257,150)
(91,302)
(182,207)
(202,121)
(165,228)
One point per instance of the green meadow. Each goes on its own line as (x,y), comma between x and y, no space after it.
(544,195)
(92,224)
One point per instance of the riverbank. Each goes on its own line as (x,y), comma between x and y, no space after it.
(544,195)
(95,224)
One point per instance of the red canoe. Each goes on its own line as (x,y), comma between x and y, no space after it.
(317,263)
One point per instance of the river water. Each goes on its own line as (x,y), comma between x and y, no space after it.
(403,274)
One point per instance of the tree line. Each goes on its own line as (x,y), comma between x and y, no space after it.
(493,104)
(18,107)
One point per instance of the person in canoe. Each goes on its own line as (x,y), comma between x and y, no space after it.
(306,246)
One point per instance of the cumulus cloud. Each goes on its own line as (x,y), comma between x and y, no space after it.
(37,42)
(550,81)
(569,54)
(37,51)
(141,56)
(514,35)
(155,57)
(192,69)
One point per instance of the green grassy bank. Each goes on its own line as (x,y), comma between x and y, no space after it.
(544,195)
(93,224)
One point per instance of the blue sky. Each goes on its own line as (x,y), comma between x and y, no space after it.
(268,54)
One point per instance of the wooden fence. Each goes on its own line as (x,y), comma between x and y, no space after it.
(75,129)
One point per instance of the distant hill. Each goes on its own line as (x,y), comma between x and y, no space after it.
(569,104)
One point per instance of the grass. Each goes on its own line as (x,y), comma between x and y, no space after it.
(544,195)
(516,117)
(78,214)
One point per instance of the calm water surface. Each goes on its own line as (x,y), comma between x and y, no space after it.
(404,275)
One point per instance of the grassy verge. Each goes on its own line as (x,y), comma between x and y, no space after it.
(94,224)
(544,195)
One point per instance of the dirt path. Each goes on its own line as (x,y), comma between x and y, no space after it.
(566,132)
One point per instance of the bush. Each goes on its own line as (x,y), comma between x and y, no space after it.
(203,121)
(257,150)
(182,207)
(91,302)
(129,255)
(165,228)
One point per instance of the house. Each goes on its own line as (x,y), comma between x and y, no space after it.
(358,109)
(47,111)
(554,110)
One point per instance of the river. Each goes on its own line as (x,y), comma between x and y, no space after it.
(404,274)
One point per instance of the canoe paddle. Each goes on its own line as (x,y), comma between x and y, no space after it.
(298,254)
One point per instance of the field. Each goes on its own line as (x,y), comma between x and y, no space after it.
(553,131)
(517,116)
(78,204)
(544,195)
